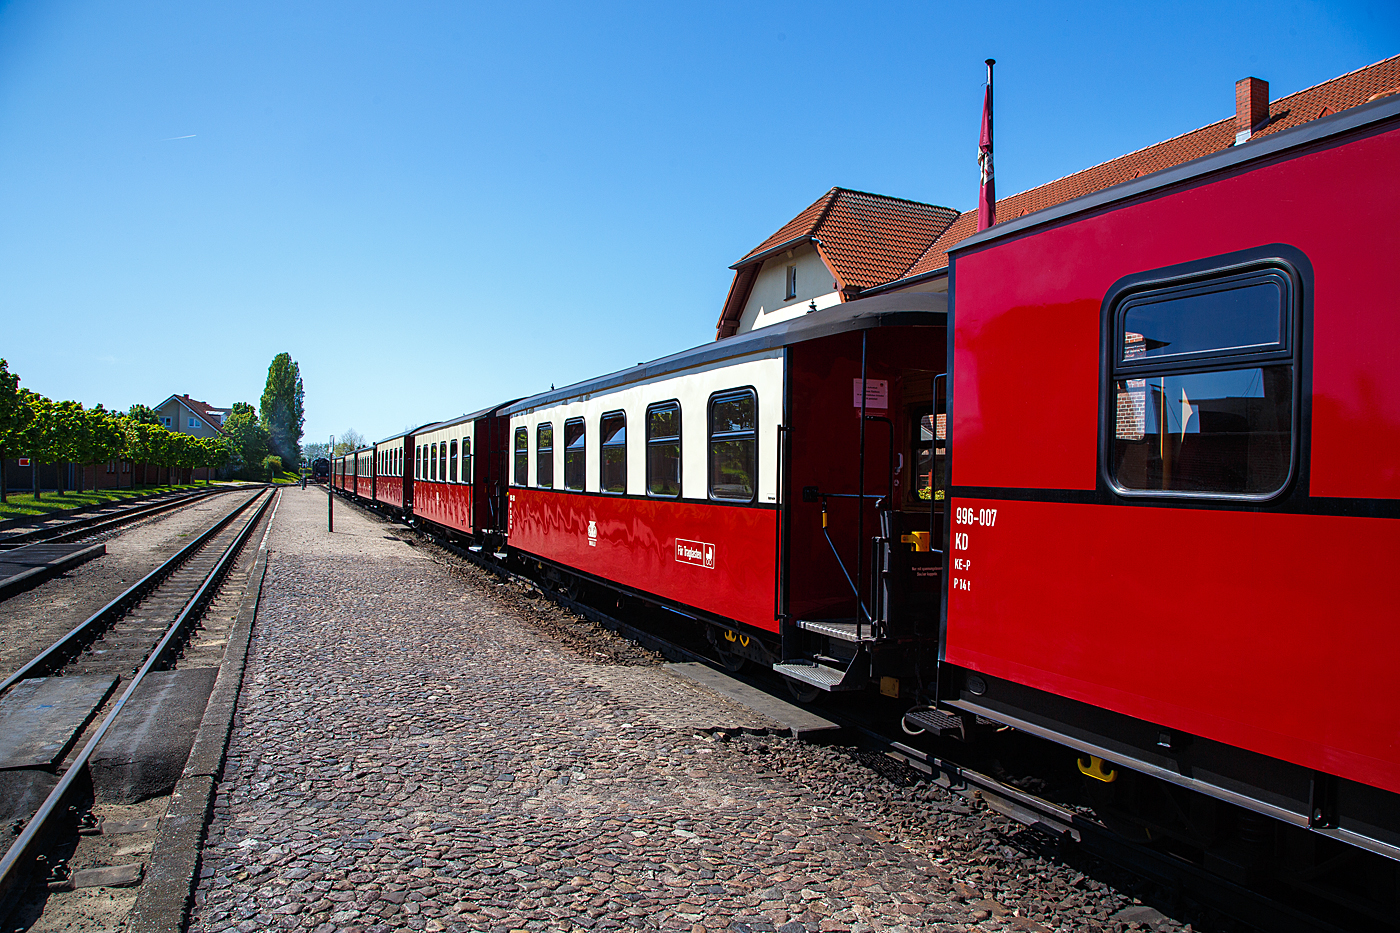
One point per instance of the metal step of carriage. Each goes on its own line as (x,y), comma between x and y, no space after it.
(840,629)
(820,675)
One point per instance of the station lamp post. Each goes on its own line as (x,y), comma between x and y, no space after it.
(330,487)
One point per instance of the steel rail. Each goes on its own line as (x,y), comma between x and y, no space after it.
(18,859)
(53,658)
(97,524)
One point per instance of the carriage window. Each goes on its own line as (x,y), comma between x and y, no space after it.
(522,456)
(734,445)
(612,470)
(664,449)
(418,462)
(544,456)
(452,463)
(1204,377)
(575,443)
(433,463)
(930,443)
(466,459)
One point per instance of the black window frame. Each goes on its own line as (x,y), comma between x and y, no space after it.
(1277,264)
(540,484)
(466,473)
(575,459)
(520,475)
(452,460)
(604,447)
(679,438)
(725,395)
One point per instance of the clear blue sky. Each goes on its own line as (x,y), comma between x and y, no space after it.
(434,207)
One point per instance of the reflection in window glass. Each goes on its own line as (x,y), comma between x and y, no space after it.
(1224,432)
(613,466)
(664,449)
(734,445)
(544,456)
(1238,314)
(575,441)
(466,459)
(452,462)
(433,462)
(522,456)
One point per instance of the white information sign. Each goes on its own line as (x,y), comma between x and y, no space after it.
(877,393)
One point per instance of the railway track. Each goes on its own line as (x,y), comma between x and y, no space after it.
(142,630)
(1066,825)
(104,519)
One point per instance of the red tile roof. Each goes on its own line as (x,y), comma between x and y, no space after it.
(865,238)
(1350,90)
(214,416)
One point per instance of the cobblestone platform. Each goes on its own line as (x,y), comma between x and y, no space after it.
(413,753)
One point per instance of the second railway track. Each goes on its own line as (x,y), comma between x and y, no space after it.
(102,662)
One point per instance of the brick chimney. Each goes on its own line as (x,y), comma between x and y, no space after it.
(1251,107)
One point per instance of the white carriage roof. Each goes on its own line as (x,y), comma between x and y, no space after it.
(929,309)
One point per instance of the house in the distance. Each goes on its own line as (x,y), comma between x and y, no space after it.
(185,415)
(850,244)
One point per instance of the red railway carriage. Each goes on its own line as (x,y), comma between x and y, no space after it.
(1175,492)
(457,473)
(393,470)
(362,462)
(740,483)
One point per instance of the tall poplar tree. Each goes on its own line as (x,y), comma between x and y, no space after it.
(281,407)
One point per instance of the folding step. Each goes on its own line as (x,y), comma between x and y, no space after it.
(831,679)
(934,722)
(839,629)
(474,548)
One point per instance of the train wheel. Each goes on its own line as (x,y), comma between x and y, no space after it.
(733,663)
(802,691)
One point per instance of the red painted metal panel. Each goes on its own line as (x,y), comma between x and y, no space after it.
(447,504)
(634,542)
(1254,629)
(1027,318)
(363,486)
(389,490)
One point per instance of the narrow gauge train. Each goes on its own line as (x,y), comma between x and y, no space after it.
(1174,443)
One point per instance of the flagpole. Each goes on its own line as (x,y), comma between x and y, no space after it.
(987,199)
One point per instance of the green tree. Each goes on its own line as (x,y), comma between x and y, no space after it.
(142,414)
(102,437)
(246,439)
(282,410)
(70,423)
(14,418)
(40,437)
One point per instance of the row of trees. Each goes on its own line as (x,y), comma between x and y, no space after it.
(65,432)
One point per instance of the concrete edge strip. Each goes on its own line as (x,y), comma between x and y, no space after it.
(164,899)
(798,721)
(36,575)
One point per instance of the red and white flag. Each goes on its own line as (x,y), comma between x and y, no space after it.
(987,200)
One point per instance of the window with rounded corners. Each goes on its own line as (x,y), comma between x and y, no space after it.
(452,461)
(1203,383)
(522,456)
(418,462)
(612,452)
(575,451)
(433,462)
(466,459)
(544,455)
(733,453)
(664,449)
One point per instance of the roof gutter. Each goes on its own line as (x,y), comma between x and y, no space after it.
(773,251)
(904,282)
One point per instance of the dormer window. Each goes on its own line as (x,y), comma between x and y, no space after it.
(791,283)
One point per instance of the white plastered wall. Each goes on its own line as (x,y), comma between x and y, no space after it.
(768,302)
(692,388)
